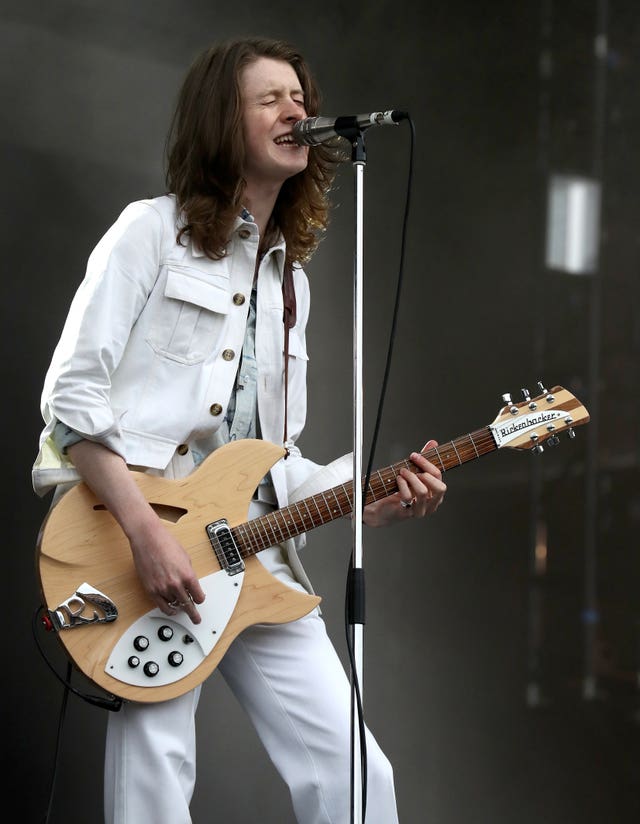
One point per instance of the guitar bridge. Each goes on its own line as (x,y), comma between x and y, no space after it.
(225,547)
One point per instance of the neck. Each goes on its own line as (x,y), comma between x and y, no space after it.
(260,201)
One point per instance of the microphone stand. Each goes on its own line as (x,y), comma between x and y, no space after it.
(356,611)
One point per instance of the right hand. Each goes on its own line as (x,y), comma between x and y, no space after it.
(165,571)
(163,565)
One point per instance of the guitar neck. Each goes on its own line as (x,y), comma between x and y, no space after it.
(337,502)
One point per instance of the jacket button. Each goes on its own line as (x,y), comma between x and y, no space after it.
(228,354)
(244,233)
(238,298)
(182,449)
(215,409)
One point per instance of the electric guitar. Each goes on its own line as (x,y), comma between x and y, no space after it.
(108,626)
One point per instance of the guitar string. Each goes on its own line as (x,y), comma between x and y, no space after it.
(260,533)
(253,536)
(289,522)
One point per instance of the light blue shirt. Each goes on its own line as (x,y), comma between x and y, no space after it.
(241,411)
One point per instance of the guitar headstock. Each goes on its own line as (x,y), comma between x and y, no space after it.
(528,424)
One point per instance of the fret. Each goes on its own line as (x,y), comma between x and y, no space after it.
(272,518)
(241,541)
(347,491)
(442,466)
(390,479)
(326,503)
(287,522)
(337,501)
(306,506)
(372,488)
(256,541)
(300,517)
(315,502)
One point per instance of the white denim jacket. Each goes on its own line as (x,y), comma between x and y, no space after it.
(149,352)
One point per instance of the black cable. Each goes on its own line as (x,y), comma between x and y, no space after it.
(385,381)
(56,756)
(356,692)
(394,323)
(112,703)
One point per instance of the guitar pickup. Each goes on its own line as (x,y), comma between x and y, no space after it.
(225,547)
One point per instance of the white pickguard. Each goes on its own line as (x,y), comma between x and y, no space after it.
(192,641)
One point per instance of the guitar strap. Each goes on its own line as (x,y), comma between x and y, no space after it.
(289,319)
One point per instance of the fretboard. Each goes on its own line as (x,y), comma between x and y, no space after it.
(337,502)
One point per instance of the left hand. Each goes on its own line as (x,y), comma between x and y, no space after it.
(418,494)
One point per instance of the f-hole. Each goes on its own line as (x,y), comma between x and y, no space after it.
(165,512)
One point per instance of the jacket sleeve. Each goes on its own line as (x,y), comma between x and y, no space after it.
(120,274)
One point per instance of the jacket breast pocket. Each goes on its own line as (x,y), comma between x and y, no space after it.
(190,317)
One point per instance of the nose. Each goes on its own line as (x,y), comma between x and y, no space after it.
(292,111)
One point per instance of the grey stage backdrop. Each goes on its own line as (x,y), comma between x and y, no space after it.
(457,629)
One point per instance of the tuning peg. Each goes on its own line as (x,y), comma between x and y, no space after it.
(506,399)
(571,432)
(554,440)
(541,388)
(537,449)
(527,396)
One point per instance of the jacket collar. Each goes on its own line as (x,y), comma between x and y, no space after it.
(278,249)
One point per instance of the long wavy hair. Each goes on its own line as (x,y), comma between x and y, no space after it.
(205,153)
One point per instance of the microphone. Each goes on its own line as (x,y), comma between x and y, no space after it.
(315,130)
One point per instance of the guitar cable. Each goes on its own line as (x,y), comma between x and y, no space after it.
(113,704)
(355,593)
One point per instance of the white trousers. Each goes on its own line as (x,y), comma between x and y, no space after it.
(290,681)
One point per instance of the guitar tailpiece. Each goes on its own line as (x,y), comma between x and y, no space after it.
(70,613)
(113,703)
